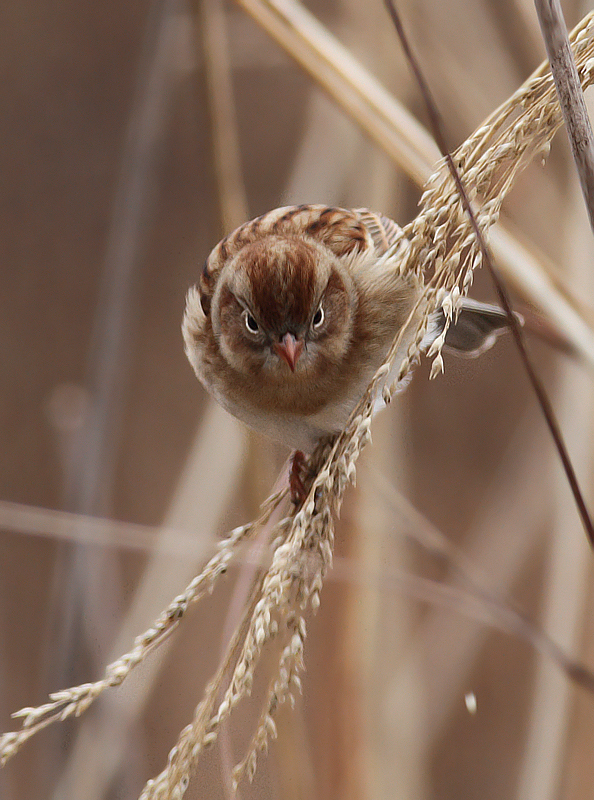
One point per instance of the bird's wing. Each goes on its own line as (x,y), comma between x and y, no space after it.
(476,328)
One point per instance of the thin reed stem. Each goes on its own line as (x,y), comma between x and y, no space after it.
(514,325)
(570,94)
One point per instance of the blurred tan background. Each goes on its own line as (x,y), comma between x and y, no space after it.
(111,200)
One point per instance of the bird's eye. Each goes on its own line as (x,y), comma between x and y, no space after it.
(250,323)
(318,318)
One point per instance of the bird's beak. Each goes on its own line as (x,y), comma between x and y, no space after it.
(289,349)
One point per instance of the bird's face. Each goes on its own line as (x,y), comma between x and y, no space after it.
(283,310)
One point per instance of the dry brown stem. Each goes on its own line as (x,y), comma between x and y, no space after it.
(571,96)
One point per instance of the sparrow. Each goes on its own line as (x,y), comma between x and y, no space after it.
(295,311)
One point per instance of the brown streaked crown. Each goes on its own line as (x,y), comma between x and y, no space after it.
(341,230)
(282,277)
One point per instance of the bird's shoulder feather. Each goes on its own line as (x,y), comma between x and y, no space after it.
(384,232)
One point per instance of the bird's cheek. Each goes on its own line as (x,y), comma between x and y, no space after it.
(228,352)
(233,351)
(329,353)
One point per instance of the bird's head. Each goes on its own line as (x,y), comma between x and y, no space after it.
(283,309)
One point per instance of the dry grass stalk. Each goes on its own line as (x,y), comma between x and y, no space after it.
(441,239)
(225,137)
(75,700)
(334,68)
(500,289)
(571,97)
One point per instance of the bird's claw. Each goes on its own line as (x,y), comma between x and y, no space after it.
(297,477)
